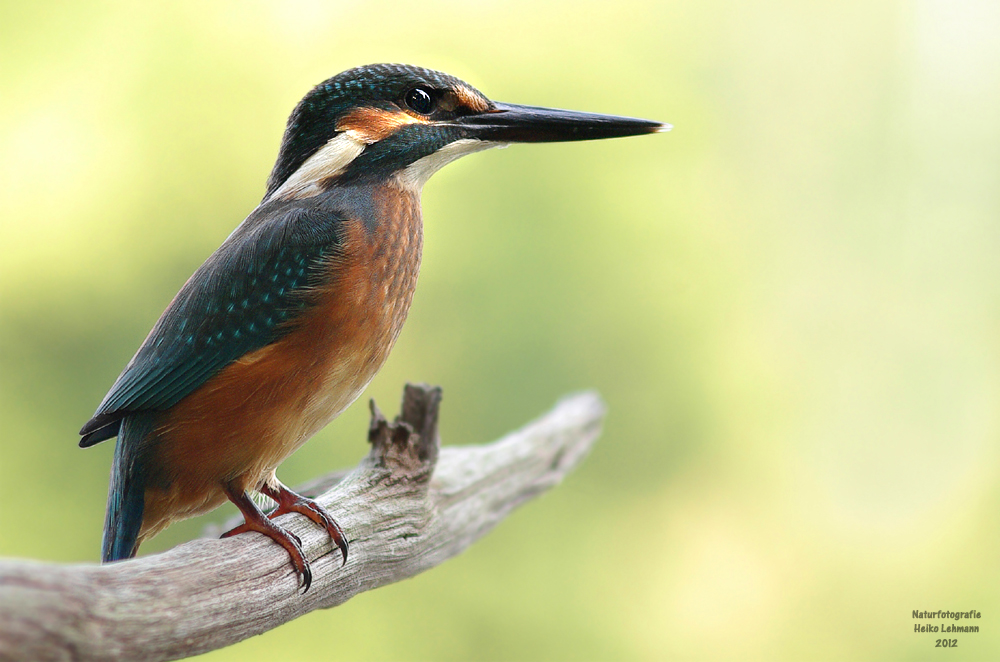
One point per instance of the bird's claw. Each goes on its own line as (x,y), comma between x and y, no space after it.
(255,520)
(290,502)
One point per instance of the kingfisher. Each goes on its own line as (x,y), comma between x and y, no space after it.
(288,321)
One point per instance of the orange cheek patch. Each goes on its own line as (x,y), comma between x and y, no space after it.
(374,124)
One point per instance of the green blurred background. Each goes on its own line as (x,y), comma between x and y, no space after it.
(791,304)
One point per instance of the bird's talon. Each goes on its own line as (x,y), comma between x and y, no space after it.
(255,520)
(290,502)
(306,578)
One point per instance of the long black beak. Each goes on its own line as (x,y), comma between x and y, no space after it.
(508,122)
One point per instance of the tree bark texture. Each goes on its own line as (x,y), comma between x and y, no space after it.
(408,506)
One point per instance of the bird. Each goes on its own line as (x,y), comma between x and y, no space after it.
(287,322)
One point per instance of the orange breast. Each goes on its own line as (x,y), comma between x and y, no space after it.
(247,419)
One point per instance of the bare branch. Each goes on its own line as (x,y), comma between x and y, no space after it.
(406,508)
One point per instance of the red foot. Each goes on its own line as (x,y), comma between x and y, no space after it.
(255,520)
(290,502)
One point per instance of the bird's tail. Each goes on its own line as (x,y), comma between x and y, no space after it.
(127,491)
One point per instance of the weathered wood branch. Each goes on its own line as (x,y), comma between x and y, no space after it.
(406,508)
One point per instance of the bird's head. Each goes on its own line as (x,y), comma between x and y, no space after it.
(402,123)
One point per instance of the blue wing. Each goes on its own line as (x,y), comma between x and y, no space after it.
(245,296)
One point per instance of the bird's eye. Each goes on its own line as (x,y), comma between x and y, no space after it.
(420,100)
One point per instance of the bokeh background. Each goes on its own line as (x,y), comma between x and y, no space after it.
(791,304)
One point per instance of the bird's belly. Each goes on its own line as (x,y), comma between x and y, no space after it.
(358,323)
(351,366)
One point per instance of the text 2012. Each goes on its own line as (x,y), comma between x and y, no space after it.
(946,643)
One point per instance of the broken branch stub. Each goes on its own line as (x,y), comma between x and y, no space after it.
(409,445)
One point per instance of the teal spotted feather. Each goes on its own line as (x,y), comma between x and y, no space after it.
(246,296)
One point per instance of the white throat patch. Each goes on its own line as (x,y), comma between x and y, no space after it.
(331,159)
(415,175)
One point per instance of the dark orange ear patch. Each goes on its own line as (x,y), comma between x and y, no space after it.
(371,125)
(470,99)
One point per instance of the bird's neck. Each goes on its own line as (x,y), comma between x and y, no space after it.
(385,209)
